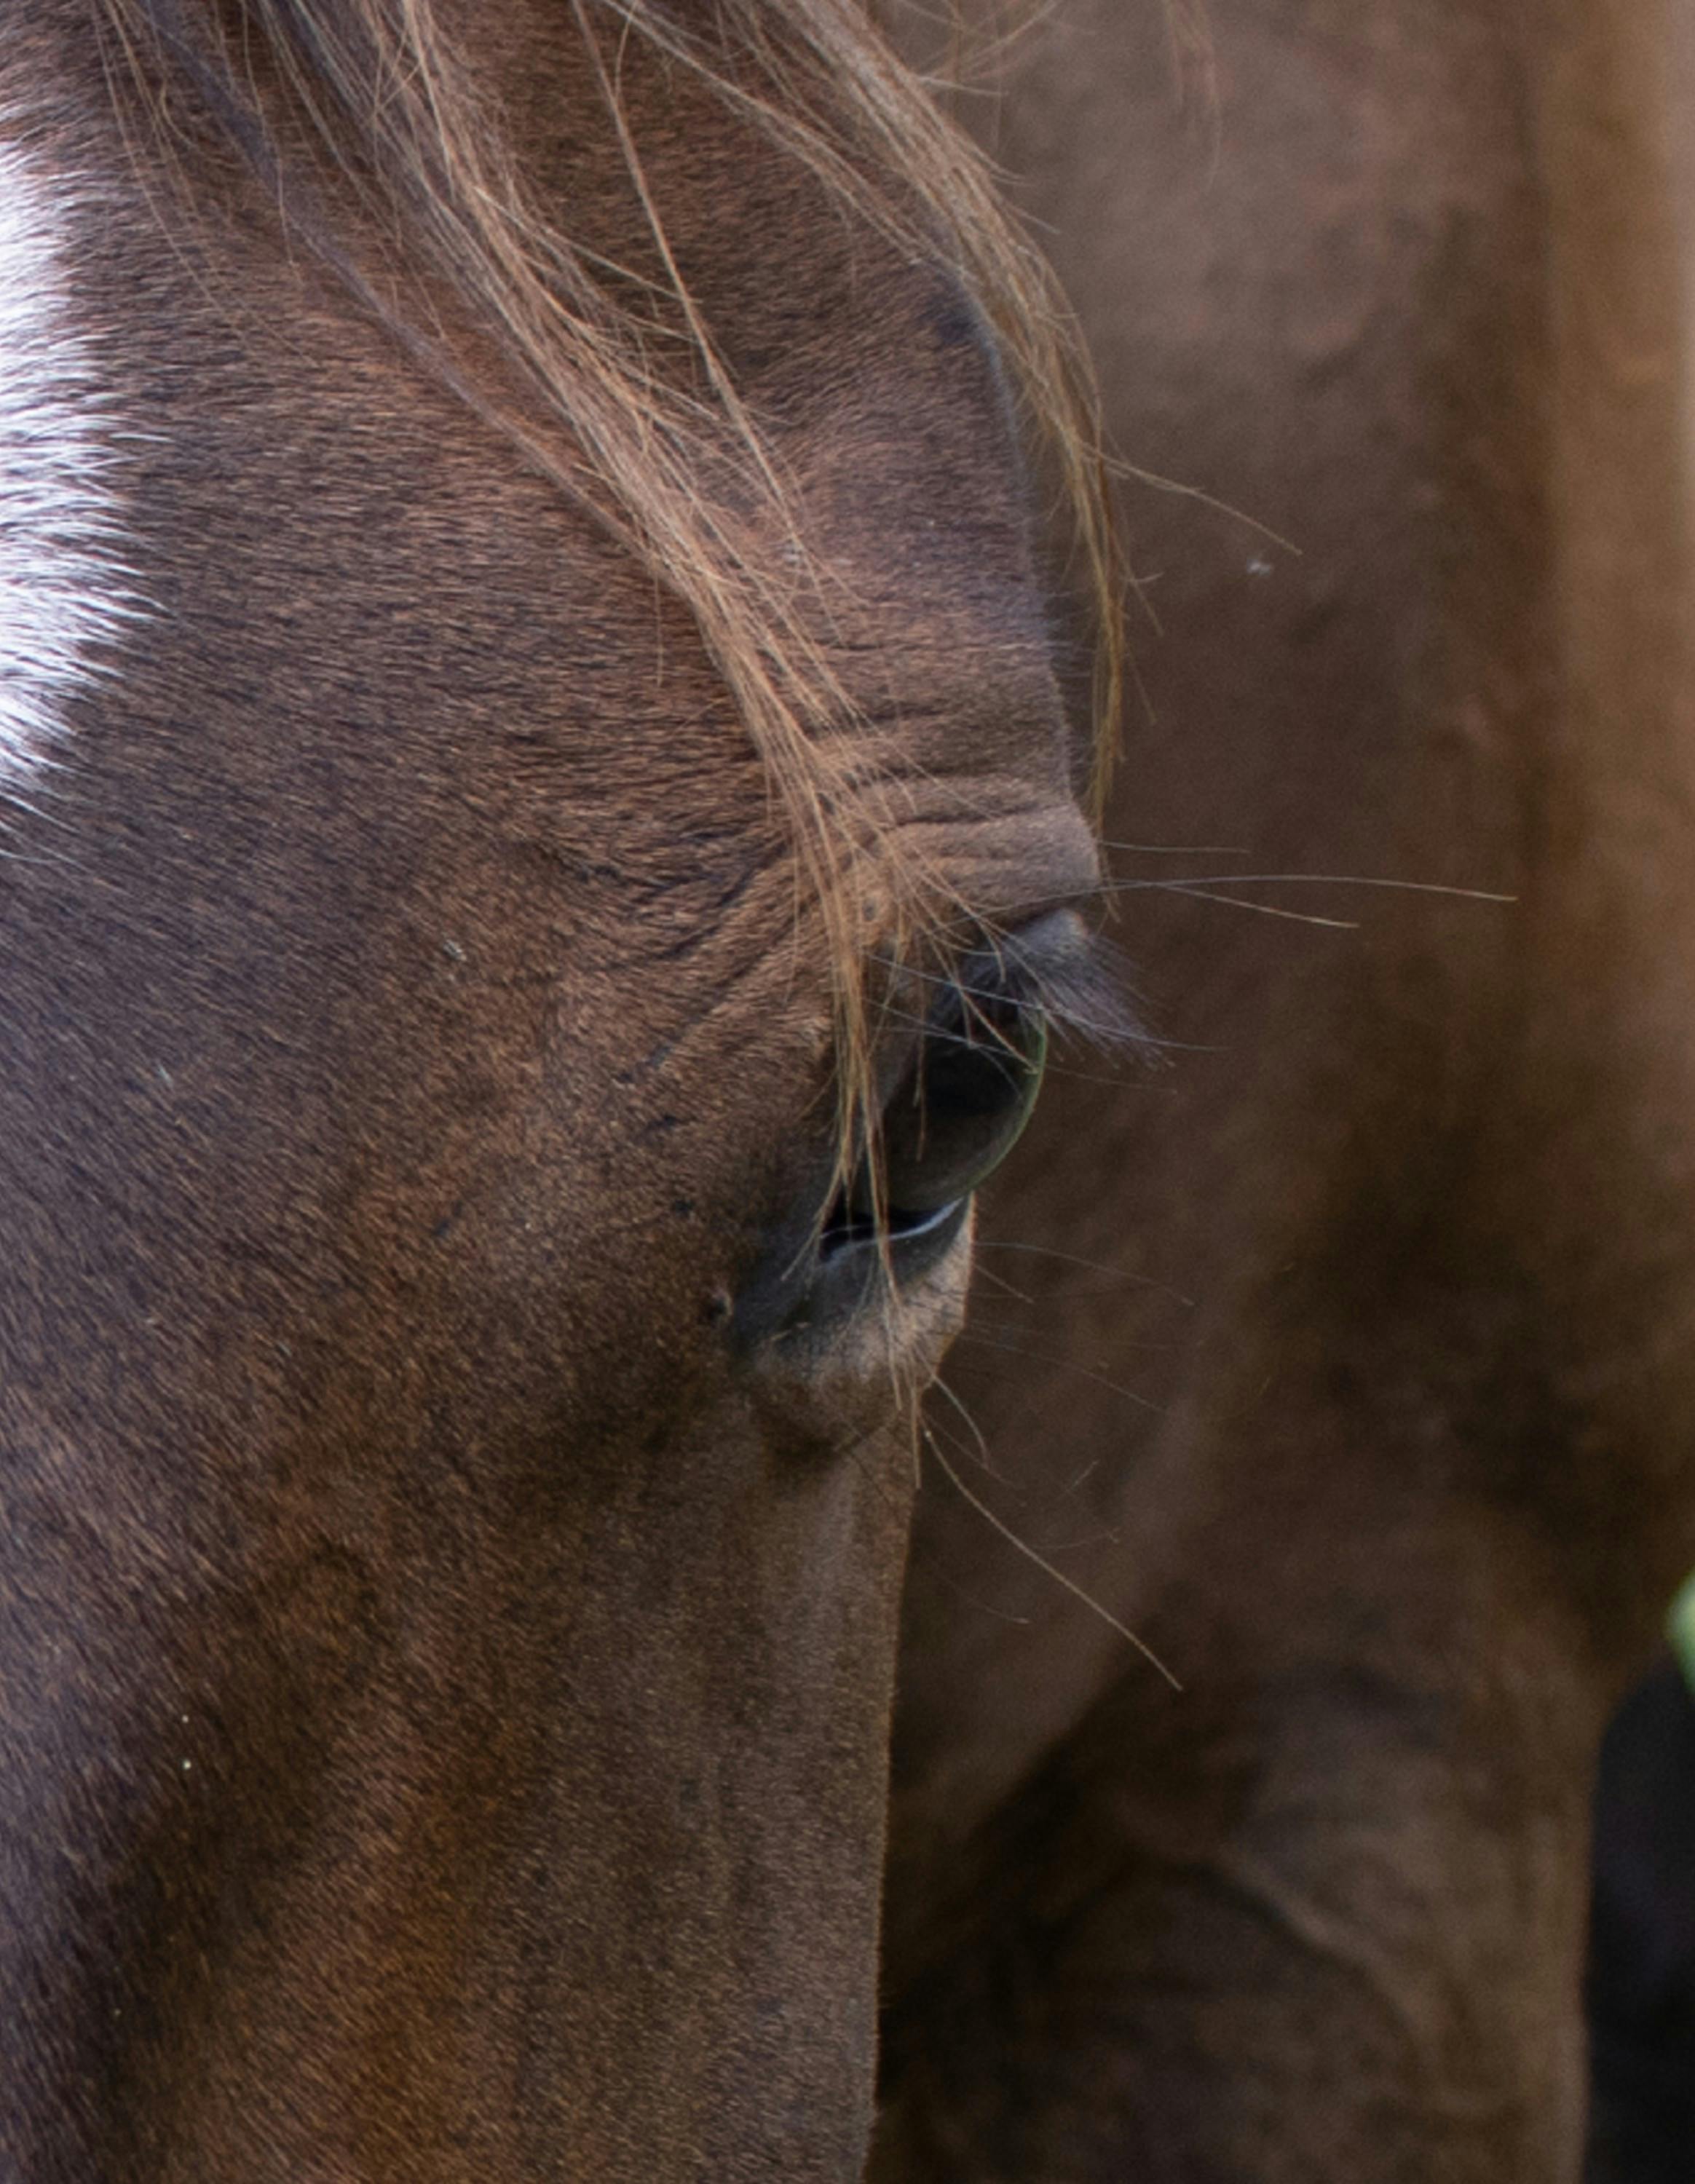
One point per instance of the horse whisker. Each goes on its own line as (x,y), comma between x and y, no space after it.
(983,1457)
(1089,1265)
(1266,909)
(1032,1554)
(1068,1365)
(1303,879)
(987,1275)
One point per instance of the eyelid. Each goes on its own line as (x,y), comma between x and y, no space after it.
(1076,978)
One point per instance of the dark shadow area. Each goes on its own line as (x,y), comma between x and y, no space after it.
(1641,1989)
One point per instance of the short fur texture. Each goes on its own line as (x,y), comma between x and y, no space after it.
(447,1609)
(1369,1403)
(381,104)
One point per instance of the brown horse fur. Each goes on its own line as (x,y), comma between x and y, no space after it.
(614,383)
(1372,1405)
(445,1640)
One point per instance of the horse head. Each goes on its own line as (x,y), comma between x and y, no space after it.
(542,818)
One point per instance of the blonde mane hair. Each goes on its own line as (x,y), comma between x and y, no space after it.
(384,104)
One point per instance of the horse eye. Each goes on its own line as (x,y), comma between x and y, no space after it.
(953,1117)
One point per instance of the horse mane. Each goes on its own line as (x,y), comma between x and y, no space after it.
(380,103)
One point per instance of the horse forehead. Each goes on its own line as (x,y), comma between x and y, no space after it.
(895,428)
(869,370)
(864,358)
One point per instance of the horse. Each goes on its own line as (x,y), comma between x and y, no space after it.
(545,782)
(1350,1361)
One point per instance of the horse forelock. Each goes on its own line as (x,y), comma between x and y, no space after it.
(65,596)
